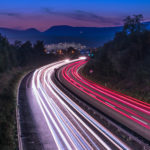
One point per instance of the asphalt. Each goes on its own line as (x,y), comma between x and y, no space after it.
(54,114)
(29,134)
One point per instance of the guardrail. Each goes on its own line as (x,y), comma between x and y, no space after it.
(20,145)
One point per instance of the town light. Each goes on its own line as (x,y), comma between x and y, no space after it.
(82,57)
(67,60)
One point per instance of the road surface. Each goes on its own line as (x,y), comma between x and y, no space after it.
(60,123)
(68,124)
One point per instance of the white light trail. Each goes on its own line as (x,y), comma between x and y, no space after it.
(58,115)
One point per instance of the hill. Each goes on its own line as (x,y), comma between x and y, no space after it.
(90,36)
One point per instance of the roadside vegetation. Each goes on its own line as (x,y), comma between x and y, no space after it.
(123,64)
(8,131)
(15,60)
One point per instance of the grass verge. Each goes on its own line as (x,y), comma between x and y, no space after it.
(8,94)
(9,82)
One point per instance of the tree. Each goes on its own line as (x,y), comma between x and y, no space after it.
(4,54)
(17,44)
(39,47)
(133,24)
(25,53)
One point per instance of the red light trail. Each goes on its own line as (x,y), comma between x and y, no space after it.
(131,108)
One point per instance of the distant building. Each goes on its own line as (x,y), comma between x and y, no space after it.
(53,48)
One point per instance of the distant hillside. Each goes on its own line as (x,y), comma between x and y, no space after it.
(147,25)
(22,35)
(90,36)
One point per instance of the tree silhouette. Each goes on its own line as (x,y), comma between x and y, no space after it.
(133,24)
(39,47)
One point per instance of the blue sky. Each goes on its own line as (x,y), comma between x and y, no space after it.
(42,14)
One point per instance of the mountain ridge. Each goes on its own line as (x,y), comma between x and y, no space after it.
(89,36)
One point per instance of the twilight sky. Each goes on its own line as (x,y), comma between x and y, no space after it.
(42,14)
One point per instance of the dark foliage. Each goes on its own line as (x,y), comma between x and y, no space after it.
(125,61)
(13,60)
(19,54)
(8,135)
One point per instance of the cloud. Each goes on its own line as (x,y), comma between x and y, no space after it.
(48,10)
(11,14)
(86,16)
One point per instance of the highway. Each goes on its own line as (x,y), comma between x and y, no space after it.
(128,111)
(70,126)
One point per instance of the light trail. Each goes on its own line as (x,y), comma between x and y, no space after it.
(92,94)
(138,112)
(120,100)
(65,124)
(114,94)
(101,129)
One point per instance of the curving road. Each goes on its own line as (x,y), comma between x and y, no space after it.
(68,125)
(131,112)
